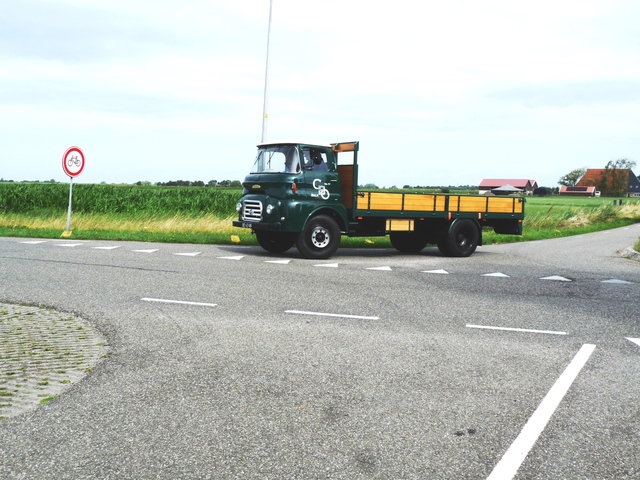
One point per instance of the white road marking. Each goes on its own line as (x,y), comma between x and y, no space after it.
(556,278)
(239,257)
(190,254)
(179,302)
(511,329)
(299,312)
(34,242)
(497,274)
(634,340)
(329,265)
(615,280)
(106,248)
(151,250)
(508,466)
(68,244)
(443,272)
(385,269)
(279,262)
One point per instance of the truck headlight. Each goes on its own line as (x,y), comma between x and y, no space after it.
(239,207)
(269,209)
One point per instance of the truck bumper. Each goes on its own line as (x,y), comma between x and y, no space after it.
(273,227)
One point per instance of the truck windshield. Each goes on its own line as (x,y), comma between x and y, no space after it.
(277,159)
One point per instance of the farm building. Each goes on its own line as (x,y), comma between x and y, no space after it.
(526,186)
(578,191)
(594,178)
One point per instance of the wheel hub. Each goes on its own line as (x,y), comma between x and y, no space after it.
(320,238)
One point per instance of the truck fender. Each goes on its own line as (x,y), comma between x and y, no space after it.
(339,216)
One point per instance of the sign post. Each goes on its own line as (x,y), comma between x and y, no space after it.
(72,164)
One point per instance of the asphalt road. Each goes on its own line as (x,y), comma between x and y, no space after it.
(370,365)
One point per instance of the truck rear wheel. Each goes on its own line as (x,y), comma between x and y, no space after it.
(276,242)
(462,240)
(408,242)
(320,238)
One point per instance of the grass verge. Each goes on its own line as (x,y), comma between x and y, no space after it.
(545,218)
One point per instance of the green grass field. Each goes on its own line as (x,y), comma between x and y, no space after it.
(204,214)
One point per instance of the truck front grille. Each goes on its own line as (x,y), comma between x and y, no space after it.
(252,211)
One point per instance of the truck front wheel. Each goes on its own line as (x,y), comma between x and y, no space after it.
(408,242)
(276,242)
(462,240)
(320,238)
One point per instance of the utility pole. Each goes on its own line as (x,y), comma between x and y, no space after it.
(265,113)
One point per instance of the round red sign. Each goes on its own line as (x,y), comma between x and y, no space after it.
(73,162)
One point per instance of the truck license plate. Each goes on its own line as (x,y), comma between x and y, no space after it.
(246,225)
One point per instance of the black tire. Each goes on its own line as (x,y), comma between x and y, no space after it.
(462,240)
(408,242)
(442,246)
(320,238)
(276,242)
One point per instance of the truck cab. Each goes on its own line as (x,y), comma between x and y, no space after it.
(290,183)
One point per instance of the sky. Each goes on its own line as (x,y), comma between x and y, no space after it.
(437,93)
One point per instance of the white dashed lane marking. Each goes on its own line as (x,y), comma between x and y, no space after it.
(634,340)
(321,314)
(557,278)
(511,329)
(179,302)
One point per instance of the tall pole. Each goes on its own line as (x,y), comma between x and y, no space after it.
(265,113)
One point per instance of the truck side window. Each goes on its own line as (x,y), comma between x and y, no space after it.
(314,159)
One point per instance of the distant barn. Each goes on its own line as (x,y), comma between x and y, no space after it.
(488,185)
(578,191)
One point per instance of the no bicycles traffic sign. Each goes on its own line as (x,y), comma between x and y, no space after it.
(73,162)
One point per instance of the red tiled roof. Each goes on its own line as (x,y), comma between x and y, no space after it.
(499,182)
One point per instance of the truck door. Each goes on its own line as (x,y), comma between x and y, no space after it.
(320,176)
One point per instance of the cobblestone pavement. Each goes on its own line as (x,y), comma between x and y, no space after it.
(42,353)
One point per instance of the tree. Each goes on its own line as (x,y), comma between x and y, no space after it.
(571,178)
(614,180)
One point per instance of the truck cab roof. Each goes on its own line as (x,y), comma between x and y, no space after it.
(294,142)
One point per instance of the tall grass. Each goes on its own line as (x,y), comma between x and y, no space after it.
(558,217)
(121,199)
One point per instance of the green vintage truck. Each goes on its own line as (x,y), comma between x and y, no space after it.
(307,195)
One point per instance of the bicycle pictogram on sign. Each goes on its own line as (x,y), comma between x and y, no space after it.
(73,162)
